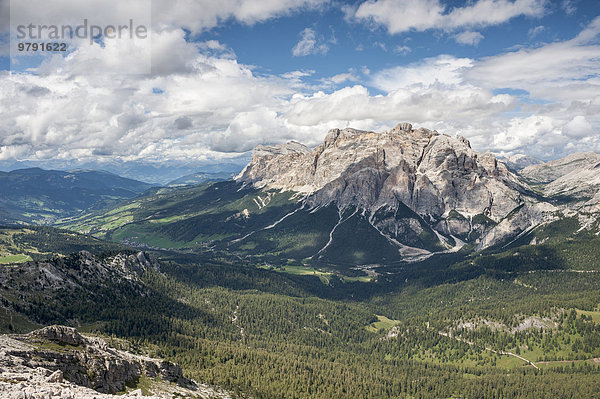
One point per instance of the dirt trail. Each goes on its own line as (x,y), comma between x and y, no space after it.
(490,349)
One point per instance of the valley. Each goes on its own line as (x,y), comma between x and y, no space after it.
(397,264)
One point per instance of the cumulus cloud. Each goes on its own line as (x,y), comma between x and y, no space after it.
(199,15)
(468,38)
(155,15)
(399,16)
(556,71)
(202,103)
(309,44)
(444,69)
(165,14)
(578,127)
(340,78)
(67,112)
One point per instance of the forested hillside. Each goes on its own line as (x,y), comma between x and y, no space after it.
(488,325)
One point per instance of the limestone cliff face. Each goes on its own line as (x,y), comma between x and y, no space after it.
(432,174)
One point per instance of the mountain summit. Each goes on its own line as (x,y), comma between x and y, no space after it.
(450,188)
(429,172)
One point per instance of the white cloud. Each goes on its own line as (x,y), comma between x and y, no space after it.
(200,102)
(402,50)
(578,127)
(309,44)
(203,14)
(424,105)
(196,15)
(568,7)
(533,32)
(468,38)
(517,133)
(399,16)
(444,69)
(249,129)
(343,77)
(557,71)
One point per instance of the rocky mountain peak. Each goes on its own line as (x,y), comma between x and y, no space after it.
(410,165)
(434,175)
(59,334)
(335,135)
(464,140)
(404,126)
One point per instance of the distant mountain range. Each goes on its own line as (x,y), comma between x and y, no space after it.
(200,178)
(518,162)
(361,198)
(159,173)
(40,196)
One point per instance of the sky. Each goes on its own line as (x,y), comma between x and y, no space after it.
(212,79)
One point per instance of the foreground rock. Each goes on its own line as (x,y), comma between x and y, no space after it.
(58,362)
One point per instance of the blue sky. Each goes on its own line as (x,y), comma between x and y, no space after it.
(355,44)
(217,78)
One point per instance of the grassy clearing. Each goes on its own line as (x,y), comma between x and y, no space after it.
(110,220)
(382,323)
(325,277)
(359,279)
(301,271)
(594,314)
(10,252)
(510,362)
(20,258)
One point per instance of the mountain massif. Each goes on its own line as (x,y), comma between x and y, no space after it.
(448,188)
(361,198)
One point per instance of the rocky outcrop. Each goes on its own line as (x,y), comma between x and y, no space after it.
(432,174)
(82,268)
(59,334)
(81,275)
(58,362)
